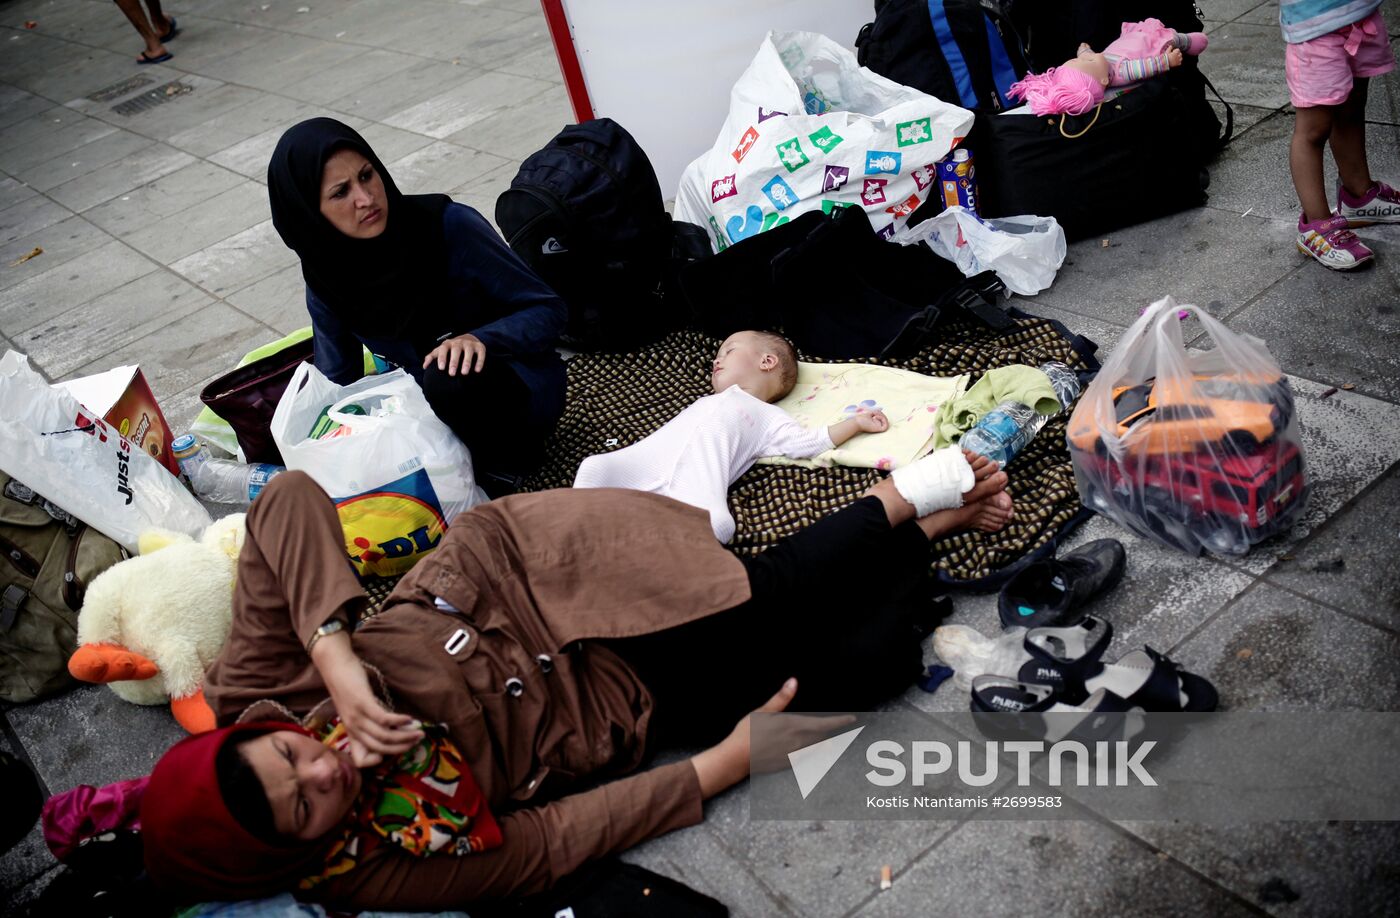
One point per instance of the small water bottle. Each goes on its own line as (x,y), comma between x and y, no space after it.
(1004,431)
(1064,380)
(225,481)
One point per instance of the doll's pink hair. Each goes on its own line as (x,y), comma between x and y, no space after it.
(1059,90)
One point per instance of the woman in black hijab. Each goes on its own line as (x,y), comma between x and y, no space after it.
(426,284)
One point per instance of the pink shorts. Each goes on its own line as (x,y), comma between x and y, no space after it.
(1320,70)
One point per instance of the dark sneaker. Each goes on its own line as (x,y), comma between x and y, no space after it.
(1047,594)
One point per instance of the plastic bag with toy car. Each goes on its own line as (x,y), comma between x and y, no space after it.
(810,129)
(1192,449)
(397,474)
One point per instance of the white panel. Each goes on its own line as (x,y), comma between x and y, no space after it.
(663,68)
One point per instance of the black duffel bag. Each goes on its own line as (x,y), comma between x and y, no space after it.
(1119,164)
(1053,29)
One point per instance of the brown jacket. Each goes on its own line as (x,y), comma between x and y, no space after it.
(490,636)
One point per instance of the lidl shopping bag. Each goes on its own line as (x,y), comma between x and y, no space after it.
(810,129)
(397,474)
(1193,449)
(58,448)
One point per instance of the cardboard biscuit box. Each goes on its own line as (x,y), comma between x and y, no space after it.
(122,397)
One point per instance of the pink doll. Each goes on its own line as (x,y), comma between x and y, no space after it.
(1145,49)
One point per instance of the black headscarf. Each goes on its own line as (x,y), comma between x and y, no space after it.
(385,287)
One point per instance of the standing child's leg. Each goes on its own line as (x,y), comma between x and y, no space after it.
(1312,127)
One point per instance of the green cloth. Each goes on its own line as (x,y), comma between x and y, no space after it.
(1027,385)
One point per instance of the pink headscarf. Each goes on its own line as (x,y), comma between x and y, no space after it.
(1059,90)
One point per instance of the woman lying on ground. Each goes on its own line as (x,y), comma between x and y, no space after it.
(530,664)
(425,283)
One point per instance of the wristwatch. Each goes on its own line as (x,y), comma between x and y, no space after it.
(330,627)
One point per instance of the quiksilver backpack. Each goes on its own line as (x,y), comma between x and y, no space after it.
(585,212)
(50,558)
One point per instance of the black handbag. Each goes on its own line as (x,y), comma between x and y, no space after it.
(1121,163)
(247,397)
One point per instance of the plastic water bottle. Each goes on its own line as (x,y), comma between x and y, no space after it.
(1064,380)
(1005,430)
(222,481)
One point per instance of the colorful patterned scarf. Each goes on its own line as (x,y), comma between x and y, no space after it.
(426,803)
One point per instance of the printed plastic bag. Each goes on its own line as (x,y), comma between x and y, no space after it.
(57,447)
(808,129)
(1025,252)
(397,474)
(1193,449)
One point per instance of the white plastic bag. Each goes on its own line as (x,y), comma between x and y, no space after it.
(397,474)
(1025,252)
(810,129)
(57,447)
(1193,449)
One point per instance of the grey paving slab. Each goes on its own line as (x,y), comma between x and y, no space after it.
(204,39)
(236,261)
(78,337)
(1383,97)
(278,300)
(1232,260)
(819,867)
(1060,868)
(61,241)
(274,52)
(1228,10)
(254,113)
(142,208)
(249,156)
(482,191)
(450,112)
(363,67)
(12,192)
(441,165)
(501,48)
(16,104)
(103,184)
(1245,62)
(521,130)
(47,125)
(196,347)
(428,28)
(1246,116)
(226,214)
(1333,869)
(1272,650)
(534,56)
(33,301)
(389,143)
(198,98)
(29,217)
(405,89)
(94,69)
(697,858)
(1333,327)
(75,163)
(55,132)
(90,736)
(1265,13)
(1349,562)
(1253,177)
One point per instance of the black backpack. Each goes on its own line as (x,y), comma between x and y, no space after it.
(961,51)
(1053,29)
(586,214)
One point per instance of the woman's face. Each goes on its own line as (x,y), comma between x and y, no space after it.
(352,195)
(309,786)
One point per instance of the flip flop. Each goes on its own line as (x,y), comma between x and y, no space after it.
(174,30)
(160,59)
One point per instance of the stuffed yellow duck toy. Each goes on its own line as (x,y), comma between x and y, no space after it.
(151,625)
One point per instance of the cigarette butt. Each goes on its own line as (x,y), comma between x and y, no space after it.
(1103,243)
(886,880)
(34,253)
(1348,386)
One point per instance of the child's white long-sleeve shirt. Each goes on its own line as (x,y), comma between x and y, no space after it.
(703,450)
